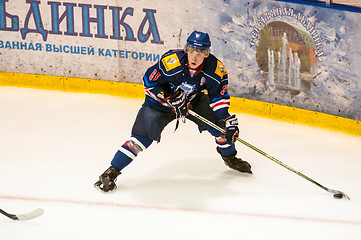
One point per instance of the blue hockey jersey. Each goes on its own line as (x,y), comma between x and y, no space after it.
(171,71)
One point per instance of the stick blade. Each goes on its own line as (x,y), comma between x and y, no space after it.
(339,193)
(30,215)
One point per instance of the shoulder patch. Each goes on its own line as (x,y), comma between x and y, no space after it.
(221,69)
(170,62)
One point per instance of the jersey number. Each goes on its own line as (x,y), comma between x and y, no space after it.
(224,90)
(154,76)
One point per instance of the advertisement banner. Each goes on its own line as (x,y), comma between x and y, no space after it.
(106,40)
(297,55)
(288,53)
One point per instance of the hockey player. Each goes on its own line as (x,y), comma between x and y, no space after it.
(189,78)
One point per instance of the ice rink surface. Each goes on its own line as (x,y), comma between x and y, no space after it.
(54,145)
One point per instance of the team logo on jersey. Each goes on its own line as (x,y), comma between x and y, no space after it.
(187,88)
(221,69)
(170,62)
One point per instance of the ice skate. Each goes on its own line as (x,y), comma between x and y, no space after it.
(236,163)
(107,180)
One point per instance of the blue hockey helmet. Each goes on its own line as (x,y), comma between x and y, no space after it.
(199,40)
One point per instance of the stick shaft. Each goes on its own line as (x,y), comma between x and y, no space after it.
(12,216)
(264,154)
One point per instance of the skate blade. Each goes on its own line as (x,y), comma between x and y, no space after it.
(99,186)
(249,172)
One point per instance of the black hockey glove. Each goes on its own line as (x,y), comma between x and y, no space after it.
(232,131)
(178,101)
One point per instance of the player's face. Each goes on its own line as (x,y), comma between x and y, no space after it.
(195,57)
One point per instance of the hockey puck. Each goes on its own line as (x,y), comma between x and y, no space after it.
(338,195)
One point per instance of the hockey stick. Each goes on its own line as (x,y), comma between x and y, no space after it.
(24,217)
(337,194)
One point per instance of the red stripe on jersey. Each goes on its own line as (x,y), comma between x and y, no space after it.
(220,104)
(150,94)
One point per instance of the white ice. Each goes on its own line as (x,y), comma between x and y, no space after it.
(54,145)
